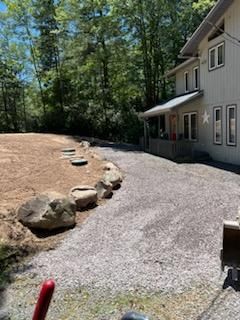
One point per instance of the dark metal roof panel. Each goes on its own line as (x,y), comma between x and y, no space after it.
(173,103)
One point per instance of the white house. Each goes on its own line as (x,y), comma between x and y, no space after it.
(204,117)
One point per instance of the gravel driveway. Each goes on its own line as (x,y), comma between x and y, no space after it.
(160,233)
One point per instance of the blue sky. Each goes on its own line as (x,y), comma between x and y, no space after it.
(2,6)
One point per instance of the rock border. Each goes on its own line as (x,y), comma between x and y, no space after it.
(83,196)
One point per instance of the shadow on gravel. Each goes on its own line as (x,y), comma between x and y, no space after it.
(47,233)
(107,144)
(223,166)
(228,282)
(137,149)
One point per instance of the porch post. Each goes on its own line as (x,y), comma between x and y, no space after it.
(145,135)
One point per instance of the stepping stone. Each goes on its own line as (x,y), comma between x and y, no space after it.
(69,150)
(69,154)
(79,162)
(134,316)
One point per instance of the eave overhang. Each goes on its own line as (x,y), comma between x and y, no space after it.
(205,27)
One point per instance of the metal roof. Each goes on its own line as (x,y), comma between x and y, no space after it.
(169,105)
(180,66)
(205,27)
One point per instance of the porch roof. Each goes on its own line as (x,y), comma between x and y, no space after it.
(173,103)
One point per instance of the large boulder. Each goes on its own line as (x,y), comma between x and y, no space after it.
(48,211)
(84,196)
(104,189)
(113,176)
(110,166)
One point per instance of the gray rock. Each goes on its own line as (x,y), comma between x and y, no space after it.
(69,150)
(84,196)
(85,144)
(79,162)
(104,189)
(110,166)
(48,211)
(113,176)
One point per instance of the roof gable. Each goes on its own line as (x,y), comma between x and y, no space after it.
(205,27)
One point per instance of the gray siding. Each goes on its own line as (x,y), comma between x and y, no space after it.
(180,85)
(221,88)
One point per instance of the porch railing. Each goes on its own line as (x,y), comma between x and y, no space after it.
(170,149)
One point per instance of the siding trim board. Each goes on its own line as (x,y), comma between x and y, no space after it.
(214,132)
(227,125)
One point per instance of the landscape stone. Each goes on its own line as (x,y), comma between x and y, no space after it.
(113,176)
(48,211)
(66,150)
(104,189)
(84,196)
(79,162)
(134,316)
(85,144)
(110,166)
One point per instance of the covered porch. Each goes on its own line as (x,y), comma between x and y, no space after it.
(164,135)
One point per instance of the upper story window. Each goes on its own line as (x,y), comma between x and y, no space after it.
(216,57)
(186,81)
(196,78)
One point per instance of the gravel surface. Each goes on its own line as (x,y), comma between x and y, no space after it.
(161,232)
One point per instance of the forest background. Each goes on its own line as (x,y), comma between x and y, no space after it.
(89,67)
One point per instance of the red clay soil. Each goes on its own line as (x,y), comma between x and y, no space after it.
(31,164)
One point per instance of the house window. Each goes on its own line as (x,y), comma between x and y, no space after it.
(231,125)
(196,78)
(186,81)
(217,116)
(190,126)
(216,56)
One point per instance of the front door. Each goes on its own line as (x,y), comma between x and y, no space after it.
(173,127)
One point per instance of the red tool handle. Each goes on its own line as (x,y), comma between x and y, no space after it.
(44,300)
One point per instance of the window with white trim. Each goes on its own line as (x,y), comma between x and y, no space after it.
(216,56)
(231,125)
(190,126)
(217,125)
(196,78)
(186,81)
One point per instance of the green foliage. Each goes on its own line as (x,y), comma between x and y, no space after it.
(90,66)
